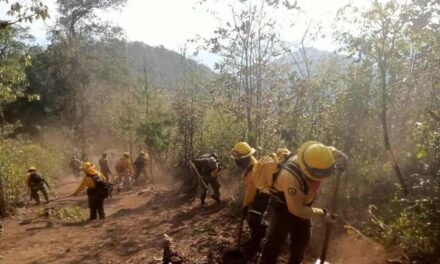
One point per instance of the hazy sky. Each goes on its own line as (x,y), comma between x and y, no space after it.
(171,22)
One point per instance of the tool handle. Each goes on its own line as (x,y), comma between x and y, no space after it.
(60,198)
(328,230)
(198,175)
(240,229)
(328,227)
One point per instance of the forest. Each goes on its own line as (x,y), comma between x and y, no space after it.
(91,90)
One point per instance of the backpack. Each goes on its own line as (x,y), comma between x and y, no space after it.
(205,166)
(263,170)
(267,169)
(296,172)
(103,189)
(120,165)
(35,178)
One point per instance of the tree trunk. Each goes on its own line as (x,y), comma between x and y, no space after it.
(386,139)
(3,202)
(151,164)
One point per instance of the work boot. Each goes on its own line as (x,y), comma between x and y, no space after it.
(93,215)
(216,198)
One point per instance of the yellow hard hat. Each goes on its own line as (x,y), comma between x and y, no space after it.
(88,168)
(241,150)
(316,160)
(32,169)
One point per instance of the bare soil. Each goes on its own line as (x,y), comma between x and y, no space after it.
(134,228)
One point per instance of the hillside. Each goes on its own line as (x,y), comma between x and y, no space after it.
(164,67)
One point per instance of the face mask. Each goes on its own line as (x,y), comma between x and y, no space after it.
(243,163)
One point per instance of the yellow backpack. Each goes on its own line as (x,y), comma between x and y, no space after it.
(264,169)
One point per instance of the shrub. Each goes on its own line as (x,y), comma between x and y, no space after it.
(415,225)
(16,156)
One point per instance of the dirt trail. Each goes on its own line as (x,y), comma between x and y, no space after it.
(133,231)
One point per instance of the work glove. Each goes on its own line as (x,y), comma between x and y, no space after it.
(244,211)
(329,217)
(341,160)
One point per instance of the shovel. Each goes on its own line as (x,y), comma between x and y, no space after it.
(328,227)
(207,187)
(240,230)
(52,200)
(236,253)
(60,198)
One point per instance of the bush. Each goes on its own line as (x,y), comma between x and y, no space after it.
(16,157)
(416,225)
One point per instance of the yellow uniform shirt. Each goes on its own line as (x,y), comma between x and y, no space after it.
(88,182)
(261,179)
(250,187)
(297,201)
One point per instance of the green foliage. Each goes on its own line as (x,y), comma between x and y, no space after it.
(72,213)
(156,131)
(427,138)
(20,11)
(217,133)
(155,126)
(13,62)
(79,20)
(415,223)
(17,156)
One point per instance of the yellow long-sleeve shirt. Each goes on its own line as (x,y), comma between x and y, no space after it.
(250,187)
(297,202)
(262,179)
(88,182)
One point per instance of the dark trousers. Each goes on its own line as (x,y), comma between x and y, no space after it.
(281,223)
(96,205)
(255,219)
(215,187)
(106,175)
(34,192)
(137,173)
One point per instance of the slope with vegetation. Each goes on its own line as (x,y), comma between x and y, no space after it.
(91,90)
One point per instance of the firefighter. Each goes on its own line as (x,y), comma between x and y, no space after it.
(293,190)
(95,182)
(75,166)
(208,168)
(104,167)
(36,183)
(140,165)
(124,170)
(255,200)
